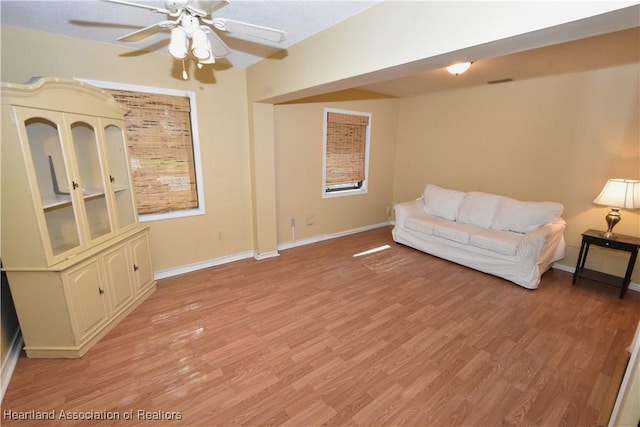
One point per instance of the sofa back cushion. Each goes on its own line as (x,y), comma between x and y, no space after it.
(478,209)
(523,217)
(442,202)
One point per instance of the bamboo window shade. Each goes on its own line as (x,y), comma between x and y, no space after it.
(346,137)
(160,149)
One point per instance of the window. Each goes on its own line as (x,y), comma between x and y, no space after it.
(164,150)
(345,152)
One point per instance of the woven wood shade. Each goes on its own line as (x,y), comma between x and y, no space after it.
(160,149)
(346,134)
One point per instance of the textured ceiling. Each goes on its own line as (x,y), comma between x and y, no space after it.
(105,22)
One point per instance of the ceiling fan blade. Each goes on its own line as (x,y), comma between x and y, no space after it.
(145,32)
(213,5)
(144,6)
(218,47)
(244,28)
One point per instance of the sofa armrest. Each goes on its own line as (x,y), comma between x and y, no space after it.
(406,209)
(535,241)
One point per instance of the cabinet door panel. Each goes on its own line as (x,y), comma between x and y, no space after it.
(91,167)
(51,181)
(119,173)
(142,261)
(118,269)
(86,288)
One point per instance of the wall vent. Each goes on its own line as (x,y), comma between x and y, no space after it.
(493,82)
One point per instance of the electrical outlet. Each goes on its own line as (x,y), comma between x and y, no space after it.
(220,235)
(311,219)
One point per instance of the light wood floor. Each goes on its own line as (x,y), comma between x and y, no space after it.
(317,336)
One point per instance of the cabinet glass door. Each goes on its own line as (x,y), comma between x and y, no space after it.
(53,185)
(90,166)
(119,174)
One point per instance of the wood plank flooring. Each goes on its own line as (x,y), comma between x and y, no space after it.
(317,336)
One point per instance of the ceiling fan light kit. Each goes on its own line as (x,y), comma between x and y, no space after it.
(189,35)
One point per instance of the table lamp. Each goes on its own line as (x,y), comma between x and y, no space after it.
(618,194)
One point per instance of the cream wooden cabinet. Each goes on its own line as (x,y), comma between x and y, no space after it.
(76,257)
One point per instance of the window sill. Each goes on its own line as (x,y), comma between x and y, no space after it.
(343,193)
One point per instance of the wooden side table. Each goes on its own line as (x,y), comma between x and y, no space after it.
(622,243)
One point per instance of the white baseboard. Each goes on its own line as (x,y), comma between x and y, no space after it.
(163,274)
(264,255)
(9,362)
(632,286)
(322,237)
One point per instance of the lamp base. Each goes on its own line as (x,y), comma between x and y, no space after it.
(608,235)
(612,218)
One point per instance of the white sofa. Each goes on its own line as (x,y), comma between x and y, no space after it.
(495,234)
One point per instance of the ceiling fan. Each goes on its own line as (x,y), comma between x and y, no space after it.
(192,30)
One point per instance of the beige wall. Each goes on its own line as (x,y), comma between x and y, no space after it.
(298,130)
(224,134)
(555,138)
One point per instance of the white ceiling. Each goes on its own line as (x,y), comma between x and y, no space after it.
(105,22)
(601,42)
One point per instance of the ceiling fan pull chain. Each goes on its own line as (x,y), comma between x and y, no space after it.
(185,76)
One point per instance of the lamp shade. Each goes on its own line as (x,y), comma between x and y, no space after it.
(620,193)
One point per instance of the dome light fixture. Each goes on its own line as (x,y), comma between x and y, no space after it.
(458,68)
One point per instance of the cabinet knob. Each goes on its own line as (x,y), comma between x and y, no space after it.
(101,291)
(135,267)
(112,178)
(74,184)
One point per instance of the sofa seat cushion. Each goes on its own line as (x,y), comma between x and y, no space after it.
(502,242)
(428,224)
(454,231)
(420,223)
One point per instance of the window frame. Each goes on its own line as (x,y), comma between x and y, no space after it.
(348,190)
(195,143)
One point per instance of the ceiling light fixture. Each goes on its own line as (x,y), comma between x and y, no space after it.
(178,43)
(459,68)
(191,38)
(199,47)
